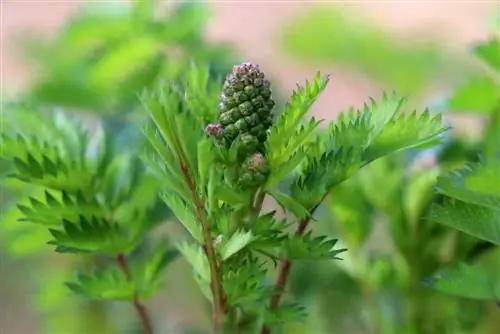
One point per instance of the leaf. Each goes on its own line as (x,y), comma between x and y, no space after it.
(308,248)
(183,211)
(96,235)
(489,52)
(287,135)
(54,211)
(289,204)
(478,221)
(148,271)
(465,281)
(110,284)
(319,175)
(237,241)
(196,258)
(405,132)
(477,184)
(479,95)
(286,313)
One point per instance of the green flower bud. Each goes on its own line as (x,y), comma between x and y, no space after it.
(254,171)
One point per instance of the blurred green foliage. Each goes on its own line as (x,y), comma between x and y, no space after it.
(348,39)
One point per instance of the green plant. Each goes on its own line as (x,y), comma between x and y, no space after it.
(382,215)
(471,194)
(94,204)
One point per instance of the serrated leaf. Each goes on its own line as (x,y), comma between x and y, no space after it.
(477,184)
(290,204)
(110,284)
(287,135)
(237,241)
(95,235)
(306,247)
(405,132)
(197,259)
(478,221)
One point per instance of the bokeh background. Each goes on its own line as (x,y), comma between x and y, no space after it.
(418,48)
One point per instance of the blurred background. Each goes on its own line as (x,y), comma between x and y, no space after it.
(89,58)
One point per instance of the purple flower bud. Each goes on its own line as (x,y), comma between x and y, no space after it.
(214,130)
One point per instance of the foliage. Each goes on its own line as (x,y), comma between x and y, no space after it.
(329,35)
(90,204)
(384,215)
(93,68)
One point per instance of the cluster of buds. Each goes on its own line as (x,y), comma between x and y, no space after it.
(245,112)
(245,108)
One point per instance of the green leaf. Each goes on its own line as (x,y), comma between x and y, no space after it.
(290,204)
(477,184)
(489,52)
(110,285)
(405,132)
(96,235)
(307,247)
(237,241)
(478,221)
(286,313)
(319,175)
(466,281)
(184,212)
(64,207)
(480,95)
(195,256)
(287,135)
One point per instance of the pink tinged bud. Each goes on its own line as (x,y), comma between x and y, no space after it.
(214,130)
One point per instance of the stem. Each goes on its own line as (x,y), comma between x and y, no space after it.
(218,299)
(138,306)
(285,266)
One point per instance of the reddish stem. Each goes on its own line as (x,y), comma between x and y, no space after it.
(285,267)
(140,309)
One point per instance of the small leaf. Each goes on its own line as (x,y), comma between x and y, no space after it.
(238,241)
(289,204)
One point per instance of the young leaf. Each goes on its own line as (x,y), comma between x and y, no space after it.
(478,221)
(308,248)
(238,241)
(465,281)
(405,132)
(290,204)
(287,135)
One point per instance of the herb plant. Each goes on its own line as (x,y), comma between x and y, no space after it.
(213,167)
(471,193)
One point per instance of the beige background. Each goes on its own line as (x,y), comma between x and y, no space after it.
(252,25)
